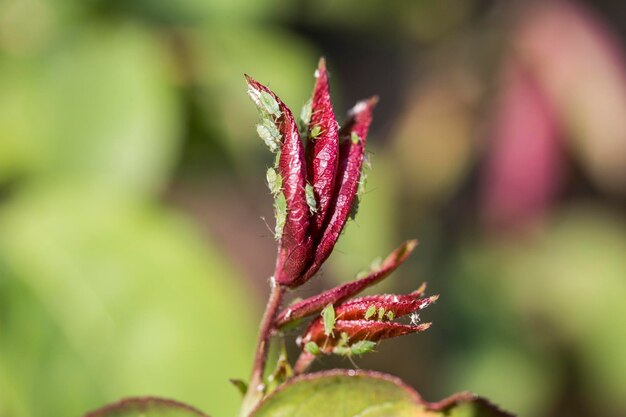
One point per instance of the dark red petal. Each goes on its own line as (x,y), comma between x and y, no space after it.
(357,330)
(295,246)
(322,152)
(315,304)
(375,330)
(351,156)
(399,305)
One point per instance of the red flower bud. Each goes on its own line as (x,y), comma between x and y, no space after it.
(365,319)
(314,196)
(382,307)
(315,304)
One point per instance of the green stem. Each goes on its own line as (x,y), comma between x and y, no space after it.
(255,387)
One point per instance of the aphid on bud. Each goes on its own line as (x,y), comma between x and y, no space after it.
(264,101)
(362,346)
(358,348)
(390,316)
(316,131)
(328,317)
(280,211)
(369,313)
(360,188)
(269,134)
(274,181)
(312,348)
(269,104)
(310,198)
(305,113)
(381,313)
(355,138)
(277,159)
(362,184)
(376,264)
(271,126)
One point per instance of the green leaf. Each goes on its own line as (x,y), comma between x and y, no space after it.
(102,108)
(342,393)
(113,296)
(146,407)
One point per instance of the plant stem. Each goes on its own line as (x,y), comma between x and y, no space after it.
(255,386)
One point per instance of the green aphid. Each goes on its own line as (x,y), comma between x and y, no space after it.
(312,348)
(280,211)
(371,310)
(361,347)
(273,129)
(390,315)
(344,339)
(362,274)
(274,181)
(367,162)
(376,264)
(355,138)
(328,317)
(268,138)
(360,190)
(269,104)
(310,198)
(305,113)
(362,184)
(315,131)
(277,159)
(381,313)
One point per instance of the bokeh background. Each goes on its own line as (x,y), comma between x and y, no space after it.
(134,251)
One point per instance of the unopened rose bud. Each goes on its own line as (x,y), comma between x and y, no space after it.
(367,318)
(318,188)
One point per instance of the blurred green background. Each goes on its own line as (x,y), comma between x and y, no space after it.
(133,252)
